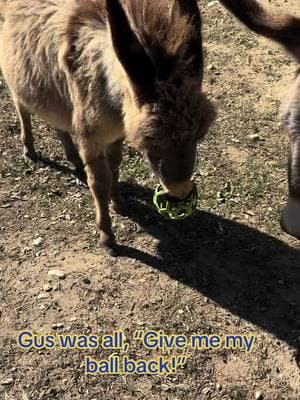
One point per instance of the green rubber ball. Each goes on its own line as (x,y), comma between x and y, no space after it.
(172,208)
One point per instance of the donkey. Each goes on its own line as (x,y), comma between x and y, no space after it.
(101,71)
(285,30)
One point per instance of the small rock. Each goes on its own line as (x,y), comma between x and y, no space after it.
(56,273)
(59,325)
(86,281)
(43,296)
(255,137)
(38,241)
(6,205)
(7,381)
(219,386)
(165,388)
(47,288)
(212,3)
(259,395)
(25,250)
(250,213)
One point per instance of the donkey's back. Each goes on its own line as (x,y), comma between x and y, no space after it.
(31,50)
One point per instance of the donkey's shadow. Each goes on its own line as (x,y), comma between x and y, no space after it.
(254,275)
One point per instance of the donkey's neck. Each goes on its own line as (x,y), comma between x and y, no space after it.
(100,73)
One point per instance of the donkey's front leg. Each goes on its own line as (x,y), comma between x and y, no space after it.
(291,214)
(114,157)
(99,180)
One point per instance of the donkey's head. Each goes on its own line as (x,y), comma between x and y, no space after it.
(165,112)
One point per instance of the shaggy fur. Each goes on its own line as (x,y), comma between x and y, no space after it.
(102,71)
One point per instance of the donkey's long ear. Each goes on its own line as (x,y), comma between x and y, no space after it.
(131,53)
(280,27)
(190,9)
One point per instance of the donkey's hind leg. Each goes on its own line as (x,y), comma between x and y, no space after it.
(26,132)
(70,150)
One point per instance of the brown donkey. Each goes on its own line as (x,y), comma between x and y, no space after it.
(101,71)
(285,30)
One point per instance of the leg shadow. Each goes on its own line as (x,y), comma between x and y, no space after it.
(79,174)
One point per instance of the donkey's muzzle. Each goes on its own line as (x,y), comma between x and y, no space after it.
(179,191)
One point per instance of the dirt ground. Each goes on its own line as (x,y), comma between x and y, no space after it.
(227,270)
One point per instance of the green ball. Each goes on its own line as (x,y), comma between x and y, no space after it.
(172,208)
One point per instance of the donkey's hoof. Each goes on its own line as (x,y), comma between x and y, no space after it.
(290,219)
(111,250)
(30,157)
(109,245)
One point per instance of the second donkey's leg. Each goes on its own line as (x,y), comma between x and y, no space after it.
(291,214)
(291,119)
